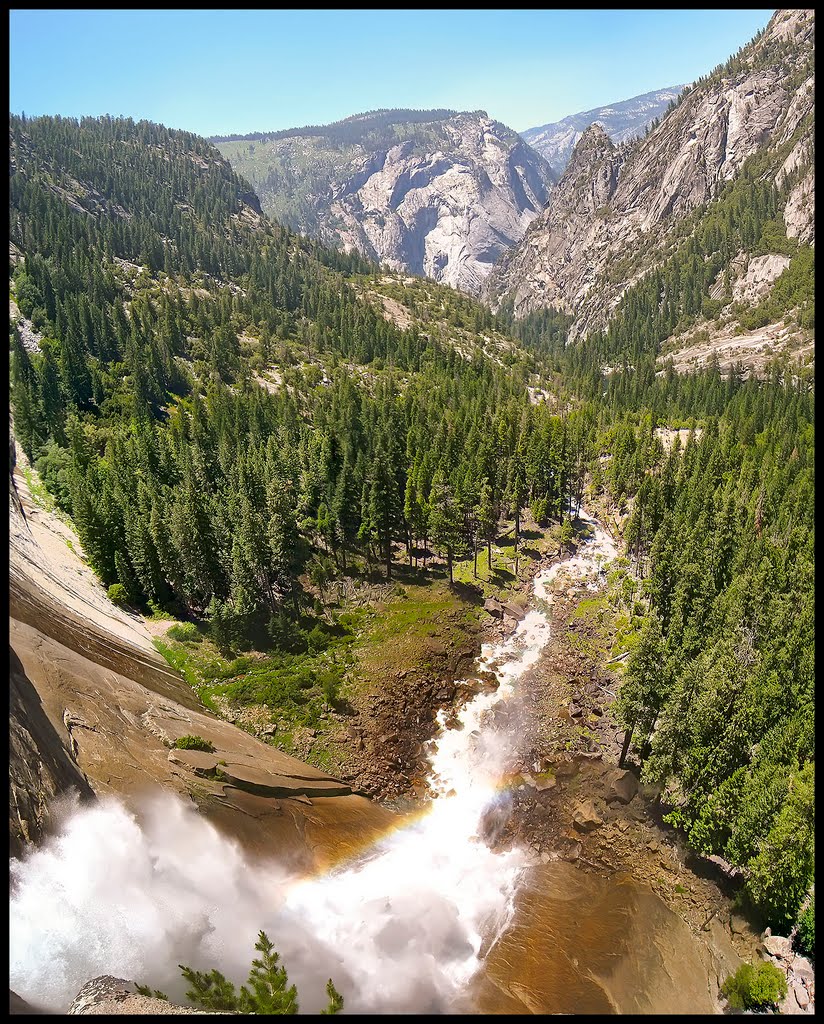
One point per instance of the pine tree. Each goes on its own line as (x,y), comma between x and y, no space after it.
(25,399)
(51,397)
(487,519)
(446,519)
(644,688)
(73,368)
(267,990)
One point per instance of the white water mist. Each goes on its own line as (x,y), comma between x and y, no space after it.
(401,929)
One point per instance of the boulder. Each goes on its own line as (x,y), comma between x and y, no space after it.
(565,769)
(540,784)
(573,852)
(802,996)
(107,995)
(494,607)
(514,611)
(738,924)
(585,817)
(622,787)
(803,970)
(777,945)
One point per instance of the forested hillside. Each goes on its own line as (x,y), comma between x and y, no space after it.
(227,413)
(186,479)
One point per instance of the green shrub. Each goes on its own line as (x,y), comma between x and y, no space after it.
(117,594)
(805,936)
(53,464)
(185,632)
(710,308)
(317,639)
(194,743)
(285,634)
(755,987)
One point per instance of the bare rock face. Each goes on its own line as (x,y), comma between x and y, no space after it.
(107,995)
(616,207)
(41,762)
(761,273)
(442,198)
(622,121)
(799,213)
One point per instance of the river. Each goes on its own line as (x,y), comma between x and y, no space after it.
(429,919)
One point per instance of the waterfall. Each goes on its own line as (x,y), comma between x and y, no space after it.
(402,928)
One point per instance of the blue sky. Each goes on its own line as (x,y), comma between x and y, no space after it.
(218,71)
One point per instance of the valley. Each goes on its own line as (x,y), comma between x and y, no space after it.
(412,557)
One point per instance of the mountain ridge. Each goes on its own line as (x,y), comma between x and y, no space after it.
(623,120)
(441,198)
(582,257)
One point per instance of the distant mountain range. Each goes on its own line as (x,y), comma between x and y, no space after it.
(439,193)
(621,122)
(434,192)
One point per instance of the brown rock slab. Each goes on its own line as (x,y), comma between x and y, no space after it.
(514,611)
(738,924)
(494,607)
(622,787)
(539,784)
(198,761)
(253,780)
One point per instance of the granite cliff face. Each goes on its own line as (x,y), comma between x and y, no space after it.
(610,217)
(621,121)
(442,197)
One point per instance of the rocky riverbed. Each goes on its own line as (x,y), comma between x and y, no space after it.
(567,799)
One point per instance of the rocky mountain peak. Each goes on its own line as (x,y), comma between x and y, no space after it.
(442,195)
(622,121)
(593,148)
(791,26)
(619,206)
(594,137)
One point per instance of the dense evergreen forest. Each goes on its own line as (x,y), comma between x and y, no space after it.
(160,294)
